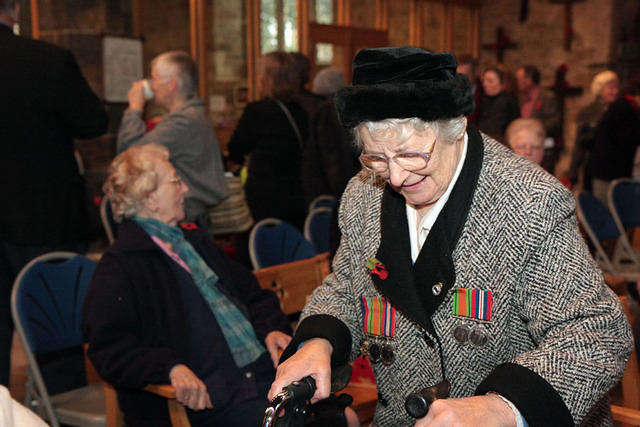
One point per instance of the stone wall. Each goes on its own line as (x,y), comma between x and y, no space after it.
(599,28)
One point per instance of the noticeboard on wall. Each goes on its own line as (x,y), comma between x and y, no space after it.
(122,62)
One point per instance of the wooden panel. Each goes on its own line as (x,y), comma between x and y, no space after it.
(362,14)
(462,29)
(433,26)
(294,281)
(399,16)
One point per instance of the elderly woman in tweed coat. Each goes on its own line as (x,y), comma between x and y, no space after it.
(460,265)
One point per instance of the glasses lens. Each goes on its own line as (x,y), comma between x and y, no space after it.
(374,162)
(412,161)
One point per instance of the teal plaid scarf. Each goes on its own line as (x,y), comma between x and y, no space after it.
(237,330)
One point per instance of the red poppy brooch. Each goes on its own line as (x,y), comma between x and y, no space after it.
(376,267)
(188,225)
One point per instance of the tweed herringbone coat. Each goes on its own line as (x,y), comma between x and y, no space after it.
(557,339)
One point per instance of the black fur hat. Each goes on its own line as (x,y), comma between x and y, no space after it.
(403,82)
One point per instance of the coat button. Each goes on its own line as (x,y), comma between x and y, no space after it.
(437,288)
(248,374)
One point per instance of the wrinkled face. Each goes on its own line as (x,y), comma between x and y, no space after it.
(609,92)
(166,202)
(527,144)
(423,187)
(524,83)
(491,83)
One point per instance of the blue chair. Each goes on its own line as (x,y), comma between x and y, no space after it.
(600,227)
(323,200)
(317,228)
(624,204)
(108,222)
(46,305)
(274,242)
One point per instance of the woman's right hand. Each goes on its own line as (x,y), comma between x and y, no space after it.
(312,359)
(190,391)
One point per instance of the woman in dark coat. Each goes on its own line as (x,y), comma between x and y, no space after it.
(269,140)
(167,307)
(499,108)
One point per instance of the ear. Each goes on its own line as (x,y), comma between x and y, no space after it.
(150,204)
(173,84)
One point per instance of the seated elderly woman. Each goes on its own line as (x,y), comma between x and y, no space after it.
(526,138)
(166,306)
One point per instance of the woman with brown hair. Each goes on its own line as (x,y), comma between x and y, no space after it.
(271,132)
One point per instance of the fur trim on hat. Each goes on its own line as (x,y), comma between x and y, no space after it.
(428,100)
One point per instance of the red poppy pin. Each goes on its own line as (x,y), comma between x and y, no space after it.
(538,105)
(377,268)
(188,225)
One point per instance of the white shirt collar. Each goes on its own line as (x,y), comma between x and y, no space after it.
(418,232)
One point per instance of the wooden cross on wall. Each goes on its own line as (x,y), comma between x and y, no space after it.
(569,32)
(502,43)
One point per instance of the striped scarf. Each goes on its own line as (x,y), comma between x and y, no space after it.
(237,330)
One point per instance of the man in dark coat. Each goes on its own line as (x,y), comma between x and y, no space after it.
(47,103)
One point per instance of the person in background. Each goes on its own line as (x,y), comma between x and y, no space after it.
(186,131)
(605,88)
(468,66)
(447,271)
(541,104)
(269,139)
(309,100)
(47,103)
(166,306)
(499,108)
(616,139)
(526,138)
(330,158)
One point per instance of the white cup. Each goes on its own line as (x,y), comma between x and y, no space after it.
(148,92)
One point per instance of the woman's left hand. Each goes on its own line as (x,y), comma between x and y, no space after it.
(190,390)
(468,411)
(276,341)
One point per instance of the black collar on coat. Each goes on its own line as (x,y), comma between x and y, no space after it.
(409,287)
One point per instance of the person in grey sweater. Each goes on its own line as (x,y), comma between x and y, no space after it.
(186,131)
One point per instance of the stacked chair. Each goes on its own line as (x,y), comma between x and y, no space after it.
(612,249)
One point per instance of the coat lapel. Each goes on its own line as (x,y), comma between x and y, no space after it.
(410,287)
(395,253)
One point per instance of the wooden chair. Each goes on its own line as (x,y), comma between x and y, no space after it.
(114,417)
(629,413)
(293,282)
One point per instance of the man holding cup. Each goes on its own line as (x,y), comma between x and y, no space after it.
(186,130)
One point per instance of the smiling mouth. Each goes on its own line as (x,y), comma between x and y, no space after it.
(414,185)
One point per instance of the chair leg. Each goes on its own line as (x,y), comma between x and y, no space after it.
(178,414)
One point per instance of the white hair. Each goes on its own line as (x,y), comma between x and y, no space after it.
(449,130)
(600,80)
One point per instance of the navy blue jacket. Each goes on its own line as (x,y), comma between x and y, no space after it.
(138,326)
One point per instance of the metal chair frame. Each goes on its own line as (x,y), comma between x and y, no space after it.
(68,407)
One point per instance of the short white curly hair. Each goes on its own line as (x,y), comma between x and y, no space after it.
(132,177)
(449,130)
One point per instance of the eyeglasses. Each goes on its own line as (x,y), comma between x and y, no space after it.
(176,181)
(408,160)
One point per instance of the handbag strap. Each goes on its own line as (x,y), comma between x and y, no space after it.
(293,123)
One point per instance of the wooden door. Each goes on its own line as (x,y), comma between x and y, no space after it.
(346,42)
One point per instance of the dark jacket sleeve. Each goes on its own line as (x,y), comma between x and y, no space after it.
(245,136)
(80,108)
(111,327)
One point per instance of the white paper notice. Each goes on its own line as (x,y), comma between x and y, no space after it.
(122,66)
